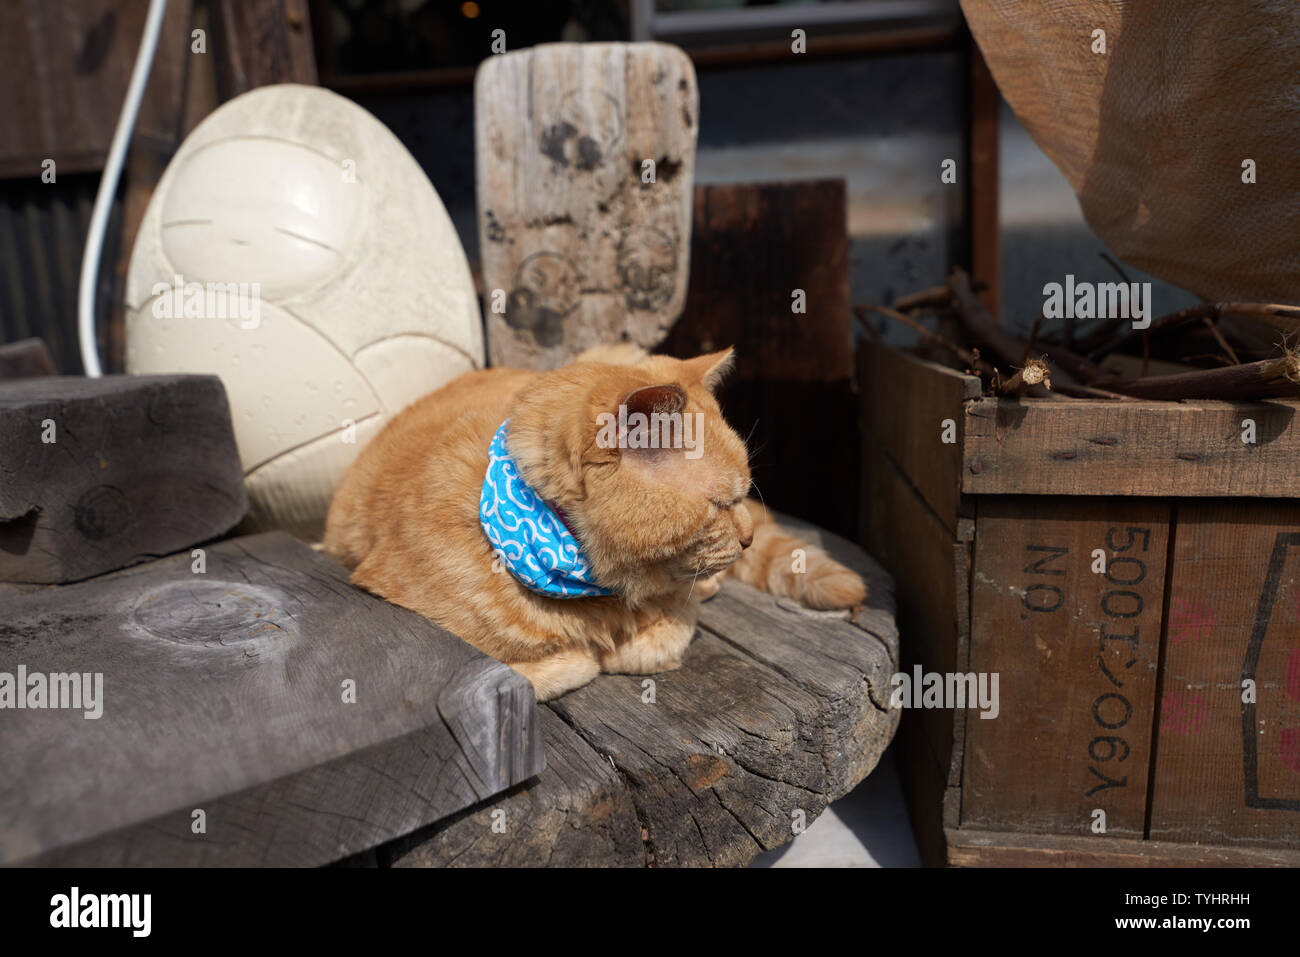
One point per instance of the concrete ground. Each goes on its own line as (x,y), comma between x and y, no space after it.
(868,827)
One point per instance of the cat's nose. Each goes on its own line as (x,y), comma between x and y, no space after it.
(744,524)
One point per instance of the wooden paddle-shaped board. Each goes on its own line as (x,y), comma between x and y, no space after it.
(585,165)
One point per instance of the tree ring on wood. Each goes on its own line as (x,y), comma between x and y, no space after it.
(214,614)
(101,513)
(546,289)
(647,267)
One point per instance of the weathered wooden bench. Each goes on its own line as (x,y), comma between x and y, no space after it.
(776,712)
(265,711)
(260,711)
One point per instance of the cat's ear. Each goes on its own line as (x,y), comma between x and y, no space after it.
(640,440)
(663,399)
(709,369)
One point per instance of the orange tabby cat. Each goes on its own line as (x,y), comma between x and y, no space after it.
(652,529)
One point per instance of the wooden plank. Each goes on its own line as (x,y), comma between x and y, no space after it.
(261,42)
(972,848)
(66,65)
(578,247)
(905,403)
(224,691)
(1228,770)
(575,812)
(1086,447)
(775,712)
(931,569)
(104,473)
(1076,652)
(791,393)
(26,359)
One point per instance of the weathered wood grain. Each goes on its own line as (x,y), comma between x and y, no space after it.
(575,812)
(1087,447)
(906,402)
(1077,654)
(26,359)
(774,713)
(1132,679)
(932,571)
(754,249)
(973,848)
(66,66)
(223,691)
(260,42)
(103,473)
(577,247)
(1227,769)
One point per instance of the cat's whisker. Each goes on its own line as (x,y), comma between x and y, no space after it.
(694,579)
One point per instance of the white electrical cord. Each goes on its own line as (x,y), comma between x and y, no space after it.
(108,187)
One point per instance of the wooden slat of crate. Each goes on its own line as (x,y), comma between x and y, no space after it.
(223,691)
(1226,770)
(971,848)
(930,561)
(1077,655)
(931,569)
(1085,447)
(905,401)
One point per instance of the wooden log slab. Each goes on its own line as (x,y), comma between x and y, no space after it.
(26,359)
(98,474)
(226,692)
(580,245)
(775,713)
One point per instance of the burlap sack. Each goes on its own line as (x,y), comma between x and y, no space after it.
(1152,134)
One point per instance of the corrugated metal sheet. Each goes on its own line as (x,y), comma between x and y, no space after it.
(42,230)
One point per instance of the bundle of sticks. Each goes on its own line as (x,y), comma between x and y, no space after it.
(1232,351)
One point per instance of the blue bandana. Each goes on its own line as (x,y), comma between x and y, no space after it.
(526,533)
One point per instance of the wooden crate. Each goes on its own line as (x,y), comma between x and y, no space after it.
(1123,691)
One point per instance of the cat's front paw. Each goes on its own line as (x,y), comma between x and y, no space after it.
(706,588)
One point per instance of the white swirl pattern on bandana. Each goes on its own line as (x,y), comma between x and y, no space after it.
(527,535)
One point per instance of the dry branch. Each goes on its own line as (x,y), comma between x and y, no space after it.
(931,298)
(1035,372)
(1070,367)
(1277,378)
(1076,391)
(970,359)
(1278,316)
